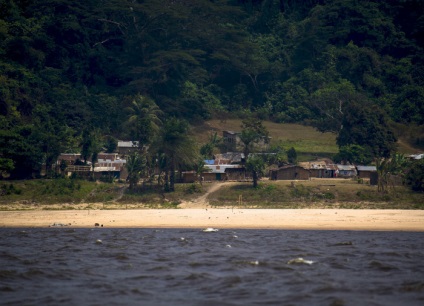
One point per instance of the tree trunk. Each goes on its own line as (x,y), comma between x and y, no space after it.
(166,187)
(172,177)
(131,184)
(255,179)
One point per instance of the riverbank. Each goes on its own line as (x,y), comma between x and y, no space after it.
(68,194)
(289,219)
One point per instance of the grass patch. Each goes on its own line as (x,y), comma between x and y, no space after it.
(308,142)
(244,194)
(56,191)
(320,193)
(8,189)
(193,188)
(156,198)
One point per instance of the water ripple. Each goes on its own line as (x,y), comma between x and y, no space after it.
(188,267)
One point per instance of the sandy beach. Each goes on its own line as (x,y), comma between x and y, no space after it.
(299,219)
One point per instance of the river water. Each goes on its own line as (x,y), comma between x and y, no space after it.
(104,266)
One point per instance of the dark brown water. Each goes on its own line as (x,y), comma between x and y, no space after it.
(63,266)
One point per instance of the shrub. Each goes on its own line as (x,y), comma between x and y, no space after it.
(61,186)
(324,196)
(270,187)
(415,176)
(300,191)
(193,188)
(8,190)
(107,179)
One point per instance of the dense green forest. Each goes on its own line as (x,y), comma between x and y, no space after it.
(73,72)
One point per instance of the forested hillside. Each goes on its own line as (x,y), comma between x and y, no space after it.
(73,71)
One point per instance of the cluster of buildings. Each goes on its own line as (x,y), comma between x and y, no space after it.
(230,166)
(223,167)
(227,166)
(324,168)
(107,164)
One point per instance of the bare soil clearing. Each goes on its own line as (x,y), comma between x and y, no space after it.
(202,201)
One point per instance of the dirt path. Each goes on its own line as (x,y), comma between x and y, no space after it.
(120,194)
(202,201)
(407,147)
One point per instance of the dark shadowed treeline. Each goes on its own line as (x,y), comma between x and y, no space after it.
(74,67)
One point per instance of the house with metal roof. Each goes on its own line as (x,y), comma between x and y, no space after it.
(107,164)
(217,172)
(324,168)
(365,171)
(416,156)
(345,171)
(126,147)
(229,158)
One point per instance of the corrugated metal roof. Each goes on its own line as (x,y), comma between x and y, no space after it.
(366,168)
(233,157)
(325,164)
(346,167)
(117,161)
(127,144)
(313,165)
(102,169)
(417,156)
(331,167)
(220,168)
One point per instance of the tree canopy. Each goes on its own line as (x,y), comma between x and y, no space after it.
(71,66)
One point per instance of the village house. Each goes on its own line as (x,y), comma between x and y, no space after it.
(69,158)
(189,177)
(216,171)
(364,172)
(224,172)
(290,172)
(324,168)
(73,163)
(416,156)
(229,158)
(346,171)
(127,147)
(108,164)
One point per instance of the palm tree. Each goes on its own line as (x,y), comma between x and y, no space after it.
(178,148)
(200,168)
(96,147)
(135,166)
(144,118)
(387,168)
(207,149)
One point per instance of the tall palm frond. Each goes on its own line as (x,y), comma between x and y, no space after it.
(178,147)
(144,118)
